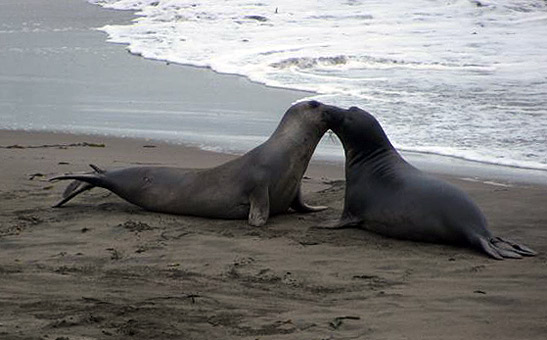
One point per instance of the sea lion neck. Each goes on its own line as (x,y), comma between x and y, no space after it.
(364,143)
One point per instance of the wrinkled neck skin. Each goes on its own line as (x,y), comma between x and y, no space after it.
(377,162)
(376,158)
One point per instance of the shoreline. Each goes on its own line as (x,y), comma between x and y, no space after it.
(473,142)
(435,164)
(104,98)
(426,161)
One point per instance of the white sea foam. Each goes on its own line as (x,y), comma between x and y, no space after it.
(462,78)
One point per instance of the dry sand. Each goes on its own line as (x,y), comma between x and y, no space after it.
(101,268)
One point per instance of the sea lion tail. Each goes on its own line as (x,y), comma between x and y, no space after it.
(500,248)
(81,183)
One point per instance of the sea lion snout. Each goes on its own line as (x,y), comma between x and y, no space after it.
(311,113)
(338,118)
(334,116)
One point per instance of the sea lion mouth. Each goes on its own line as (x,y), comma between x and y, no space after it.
(334,116)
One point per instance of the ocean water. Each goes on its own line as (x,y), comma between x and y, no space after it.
(459,78)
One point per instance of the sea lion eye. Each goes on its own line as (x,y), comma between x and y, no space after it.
(314,104)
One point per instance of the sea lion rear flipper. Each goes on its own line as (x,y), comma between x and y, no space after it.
(72,190)
(299,205)
(80,184)
(260,206)
(499,248)
(509,245)
(97,169)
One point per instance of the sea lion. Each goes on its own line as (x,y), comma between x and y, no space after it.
(265,181)
(386,195)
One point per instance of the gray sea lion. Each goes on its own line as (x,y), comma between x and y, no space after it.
(388,196)
(263,182)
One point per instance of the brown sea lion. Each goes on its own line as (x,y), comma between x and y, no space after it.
(388,196)
(265,181)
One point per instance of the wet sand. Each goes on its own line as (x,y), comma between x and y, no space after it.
(102,268)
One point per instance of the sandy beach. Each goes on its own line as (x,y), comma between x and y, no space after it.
(101,268)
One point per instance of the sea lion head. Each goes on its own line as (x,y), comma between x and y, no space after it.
(356,126)
(311,114)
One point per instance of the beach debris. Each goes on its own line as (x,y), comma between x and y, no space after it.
(479,292)
(136,227)
(114,254)
(128,328)
(94,300)
(60,146)
(476,269)
(308,243)
(30,219)
(374,282)
(193,297)
(141,249)
(332,137)
(23,222)
(338,321)
(256,17)
(366,277)
(34,175)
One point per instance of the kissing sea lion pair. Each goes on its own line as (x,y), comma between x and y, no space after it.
(384,194)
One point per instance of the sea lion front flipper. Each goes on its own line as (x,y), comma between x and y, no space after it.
(343,223)
(260,206)
(299,205)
